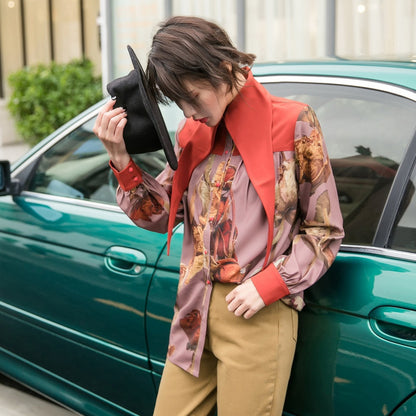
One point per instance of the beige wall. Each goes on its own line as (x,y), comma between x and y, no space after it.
(132,23)
(11,41)
(37,32)
(286,29)
(376,29)
(67,37)
(92,42)
(32,33)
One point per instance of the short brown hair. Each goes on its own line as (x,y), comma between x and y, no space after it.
(191,48)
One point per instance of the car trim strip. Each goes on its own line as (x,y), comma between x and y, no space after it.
(379,251)
(343,81)
(79,202)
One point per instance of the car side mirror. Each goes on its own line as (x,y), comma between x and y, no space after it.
(8,186)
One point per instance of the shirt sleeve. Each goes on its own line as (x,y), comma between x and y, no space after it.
(128,178)
(319,224)
(146,200)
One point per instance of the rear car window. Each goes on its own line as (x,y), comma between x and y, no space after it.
(366,132)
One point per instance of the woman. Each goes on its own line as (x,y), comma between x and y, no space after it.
(255,191)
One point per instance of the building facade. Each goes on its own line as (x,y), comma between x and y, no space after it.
(274,30)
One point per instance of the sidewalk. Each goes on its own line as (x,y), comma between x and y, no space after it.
(16,401)
(12,152)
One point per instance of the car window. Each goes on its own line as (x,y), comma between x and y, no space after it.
(404,231)
(366,133)
(77,167)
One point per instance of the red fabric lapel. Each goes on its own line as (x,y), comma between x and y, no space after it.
(196,140)
(248,119)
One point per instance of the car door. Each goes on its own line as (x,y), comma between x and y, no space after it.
(75,272)
(356,349)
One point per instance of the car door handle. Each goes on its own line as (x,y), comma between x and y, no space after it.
(125,261)
(395,324)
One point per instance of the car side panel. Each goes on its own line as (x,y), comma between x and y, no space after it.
(51,362)
(60,287)
(343,366)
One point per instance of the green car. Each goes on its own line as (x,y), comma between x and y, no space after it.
(86,297)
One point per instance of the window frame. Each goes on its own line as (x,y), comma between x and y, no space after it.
(392,206)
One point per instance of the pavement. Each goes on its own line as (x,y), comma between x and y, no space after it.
(16,400)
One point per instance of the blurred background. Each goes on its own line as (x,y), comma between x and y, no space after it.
(45,31)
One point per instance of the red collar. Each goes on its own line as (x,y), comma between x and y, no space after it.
(248,120)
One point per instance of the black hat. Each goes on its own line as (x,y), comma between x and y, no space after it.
(145,130)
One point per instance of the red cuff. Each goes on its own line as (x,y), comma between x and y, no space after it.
(128,178)
(270,284)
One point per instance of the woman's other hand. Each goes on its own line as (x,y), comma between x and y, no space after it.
(244,300)
(109,128)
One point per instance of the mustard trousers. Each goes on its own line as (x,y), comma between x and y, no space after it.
(245,367)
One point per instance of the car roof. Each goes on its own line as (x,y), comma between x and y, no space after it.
(398,73)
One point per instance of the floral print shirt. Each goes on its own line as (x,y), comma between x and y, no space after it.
(226,229)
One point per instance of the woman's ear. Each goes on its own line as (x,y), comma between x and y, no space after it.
(227,65)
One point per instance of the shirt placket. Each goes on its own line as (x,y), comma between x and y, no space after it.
(211,215)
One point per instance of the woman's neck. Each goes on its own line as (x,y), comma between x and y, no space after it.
(241,80)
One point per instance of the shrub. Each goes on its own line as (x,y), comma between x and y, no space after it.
(46,96)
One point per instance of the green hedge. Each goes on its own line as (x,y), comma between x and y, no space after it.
(46,96)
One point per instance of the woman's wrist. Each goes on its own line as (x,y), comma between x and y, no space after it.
(120,162)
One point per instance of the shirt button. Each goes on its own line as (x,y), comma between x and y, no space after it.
(130,169)
(136,179)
